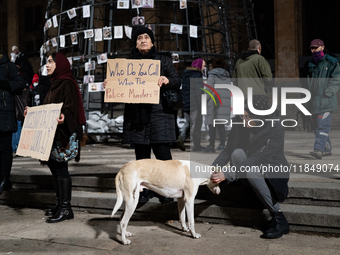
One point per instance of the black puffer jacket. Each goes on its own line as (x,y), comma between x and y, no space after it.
(152,123)
(191,99)
(10,83)
(266,148)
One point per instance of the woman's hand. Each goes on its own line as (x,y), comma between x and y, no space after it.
(163,81)
(104,83)
(25,112)
(61,119)
(217,177)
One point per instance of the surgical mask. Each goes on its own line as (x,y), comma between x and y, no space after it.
(35,84)
(317,56)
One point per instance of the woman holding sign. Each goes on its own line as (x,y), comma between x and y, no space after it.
(151,126)
(64,89)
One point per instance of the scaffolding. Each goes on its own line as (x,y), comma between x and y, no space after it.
(210,28)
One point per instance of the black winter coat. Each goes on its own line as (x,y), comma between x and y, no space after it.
(191,100)
(266,148)
(152,123)
(10,83)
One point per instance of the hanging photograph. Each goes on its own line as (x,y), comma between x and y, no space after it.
(182,4)
(88,33)
(123,4)
(152,27)
(43,70)
(176,29)
(62,41)
(45,27)
(55,21)
(118,32)
(70,61)
(88,79)
(147,3)
(102,58)
(49,23)
(96,87)
(54,42)
(136,4)
(86,11)
(128,31)
(74,38)
(98,35)
(138,21)
(71,13)
(107,33)
(175,58)
(193,31)
(90,66)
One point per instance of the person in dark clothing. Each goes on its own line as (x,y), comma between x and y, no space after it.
(192,100)
(23,64)
(252,150)
(151,126)
(64,89)
(39,92)
(11,83)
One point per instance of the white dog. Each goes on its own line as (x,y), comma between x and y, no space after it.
(170,178)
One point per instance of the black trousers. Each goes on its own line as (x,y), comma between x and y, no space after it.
(6,156)
(161,151)
(58,169)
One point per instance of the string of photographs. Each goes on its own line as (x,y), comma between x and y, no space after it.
(121,4)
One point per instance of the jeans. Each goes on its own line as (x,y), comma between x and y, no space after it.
(16,137)
(322,125)
(186,126)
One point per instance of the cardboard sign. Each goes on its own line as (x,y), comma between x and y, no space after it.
(132,81)
(38,131)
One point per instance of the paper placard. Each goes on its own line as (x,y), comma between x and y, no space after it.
(38,131)
(132,81)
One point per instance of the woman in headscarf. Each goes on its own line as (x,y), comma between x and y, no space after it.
(64,89)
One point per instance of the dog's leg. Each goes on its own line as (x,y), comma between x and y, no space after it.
(189,206)
(130,207)
(181,213)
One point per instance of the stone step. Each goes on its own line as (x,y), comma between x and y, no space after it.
(300,217)
(303,193)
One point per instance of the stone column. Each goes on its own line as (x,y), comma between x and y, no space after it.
(12,24)
(286,38)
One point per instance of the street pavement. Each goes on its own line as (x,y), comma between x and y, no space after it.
(24,231)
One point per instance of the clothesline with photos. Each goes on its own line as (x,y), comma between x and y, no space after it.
(121,4)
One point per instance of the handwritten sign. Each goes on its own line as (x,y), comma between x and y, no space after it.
(132,81)
(38,131)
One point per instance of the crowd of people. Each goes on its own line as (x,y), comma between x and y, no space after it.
(151,127)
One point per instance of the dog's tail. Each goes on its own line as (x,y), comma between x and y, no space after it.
(119,195)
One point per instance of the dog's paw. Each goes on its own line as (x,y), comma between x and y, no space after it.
(196,235)
(128,234)
(126,241)
(185,229)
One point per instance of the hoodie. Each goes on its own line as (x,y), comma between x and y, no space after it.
(252,70)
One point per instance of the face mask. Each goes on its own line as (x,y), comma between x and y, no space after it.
(317,56)
(35,84)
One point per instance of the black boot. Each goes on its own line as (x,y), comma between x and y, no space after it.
(55,209)
(279,226)
(65,211)
(5,185)
(144,196)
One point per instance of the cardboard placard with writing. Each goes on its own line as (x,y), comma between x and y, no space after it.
(38,131)
(132,81)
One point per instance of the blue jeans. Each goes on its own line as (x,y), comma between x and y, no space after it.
(16,137)
(322,123)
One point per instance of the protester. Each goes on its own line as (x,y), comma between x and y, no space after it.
(218,75)
(323,82)
(252,70)
(151,126)
(10,83)
(192,100)
(256,146)
(23,64)
(64,89)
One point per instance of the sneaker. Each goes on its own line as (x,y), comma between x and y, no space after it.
(180,143)
(316,154)
(208,149)
(220,148)
(326,153)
